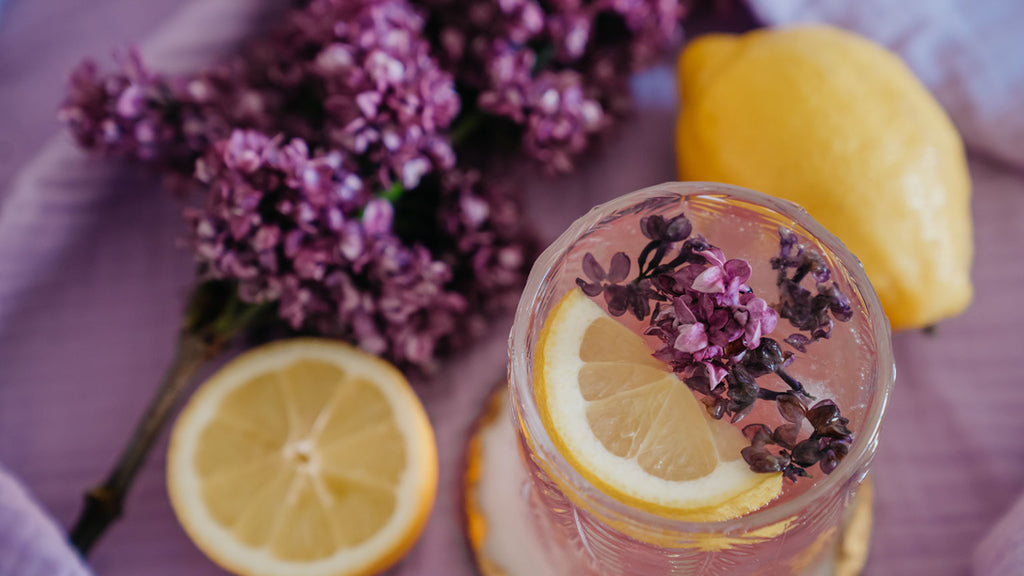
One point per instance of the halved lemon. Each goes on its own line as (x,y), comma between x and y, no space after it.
(304,457)
(631,428)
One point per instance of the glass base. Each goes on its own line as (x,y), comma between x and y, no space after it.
(501,536)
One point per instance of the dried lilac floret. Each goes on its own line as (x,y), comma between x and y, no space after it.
(798,341)
(827,421)
(830,441)
(786,435)
(834,450)
(763,461)
(620,298)
(633,297)
(767,358)
(742,391)
(757,434)
(807,311)
(655,227)
(791,407)
(715,334)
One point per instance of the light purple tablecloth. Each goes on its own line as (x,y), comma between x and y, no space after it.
(91,284)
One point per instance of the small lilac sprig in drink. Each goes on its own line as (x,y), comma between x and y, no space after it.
(714,333)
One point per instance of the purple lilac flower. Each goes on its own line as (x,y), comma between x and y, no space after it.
(713,317)
(487,244)
(167,122)
(714,331)
(621,297)
(807,311)
(362,110)
(352,76)
(559,117)
(302,229)
(559,69)
(641,29)
(361,80)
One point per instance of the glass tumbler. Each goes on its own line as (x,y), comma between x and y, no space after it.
(586,531)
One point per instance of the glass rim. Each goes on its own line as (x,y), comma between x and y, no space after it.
(521,396)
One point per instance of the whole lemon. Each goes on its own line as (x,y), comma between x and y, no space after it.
(839,125)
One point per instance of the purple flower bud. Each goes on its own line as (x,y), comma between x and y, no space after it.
(806,453)
(762,461)
(786,435)
(791,407)
(653,227)
(758,434)
(590,289)
(678,229)
(828,462)
(798,341)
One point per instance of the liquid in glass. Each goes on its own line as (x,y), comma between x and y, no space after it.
(586,531)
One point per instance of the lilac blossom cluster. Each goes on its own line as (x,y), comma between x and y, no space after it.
(713,319)
(165,122)
(812,313)
(302,230)
(715,334)
(325,158)
(484,242)
(359,77)
(557,70)
(351,76)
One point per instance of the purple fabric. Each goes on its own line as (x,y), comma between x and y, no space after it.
(1002,551)
(31,543)
(92,281)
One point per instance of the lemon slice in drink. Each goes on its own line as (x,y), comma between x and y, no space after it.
(303,458)
(630,427)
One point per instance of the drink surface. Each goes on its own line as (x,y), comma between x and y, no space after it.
(600,520)
(630,427)
(584,540)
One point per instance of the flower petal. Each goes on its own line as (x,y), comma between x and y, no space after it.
(619,267)
(692,338)
(710,281)
(590,289)
(592,269)
(683,313)
(738,268)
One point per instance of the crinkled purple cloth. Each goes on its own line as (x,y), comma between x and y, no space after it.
(92,282)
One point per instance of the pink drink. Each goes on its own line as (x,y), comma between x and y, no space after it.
(589,532)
